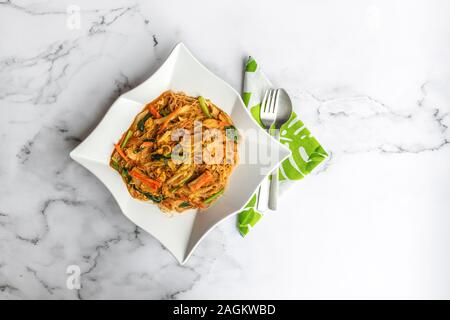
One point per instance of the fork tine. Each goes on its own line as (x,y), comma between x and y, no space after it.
(264,101)
(270,101)
(275,101)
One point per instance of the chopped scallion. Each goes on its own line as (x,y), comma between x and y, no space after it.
(204,107)
(214,196)
(184,204)
(141,123)
(127,137)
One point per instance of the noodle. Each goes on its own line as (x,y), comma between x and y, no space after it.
(159,156)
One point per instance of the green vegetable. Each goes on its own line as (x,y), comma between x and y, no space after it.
(149,140)
(204,107)
(141,123)
(184,204)
(178,187)
(182,183)
(231,133)
(157,156)
(153,197)
(115,165)
(127,137)
(149,195)
(165,112)
(124,173)
(214,196)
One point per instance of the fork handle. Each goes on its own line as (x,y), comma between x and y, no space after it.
(273,191)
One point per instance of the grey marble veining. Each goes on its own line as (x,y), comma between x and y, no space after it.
(371,81)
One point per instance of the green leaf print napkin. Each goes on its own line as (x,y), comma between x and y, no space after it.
(307,153)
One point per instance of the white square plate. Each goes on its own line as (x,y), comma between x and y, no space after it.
(181,233)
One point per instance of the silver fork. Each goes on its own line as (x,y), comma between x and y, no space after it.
(268,114)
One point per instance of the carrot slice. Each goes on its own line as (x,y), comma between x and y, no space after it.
(170,117)
(120,152)
(146,144)
(154,112)
(205,178)
(154,184)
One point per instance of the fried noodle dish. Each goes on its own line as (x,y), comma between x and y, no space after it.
(178,153)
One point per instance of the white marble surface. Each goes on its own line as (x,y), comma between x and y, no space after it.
(372,79)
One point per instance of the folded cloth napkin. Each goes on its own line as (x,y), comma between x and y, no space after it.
(307,153)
